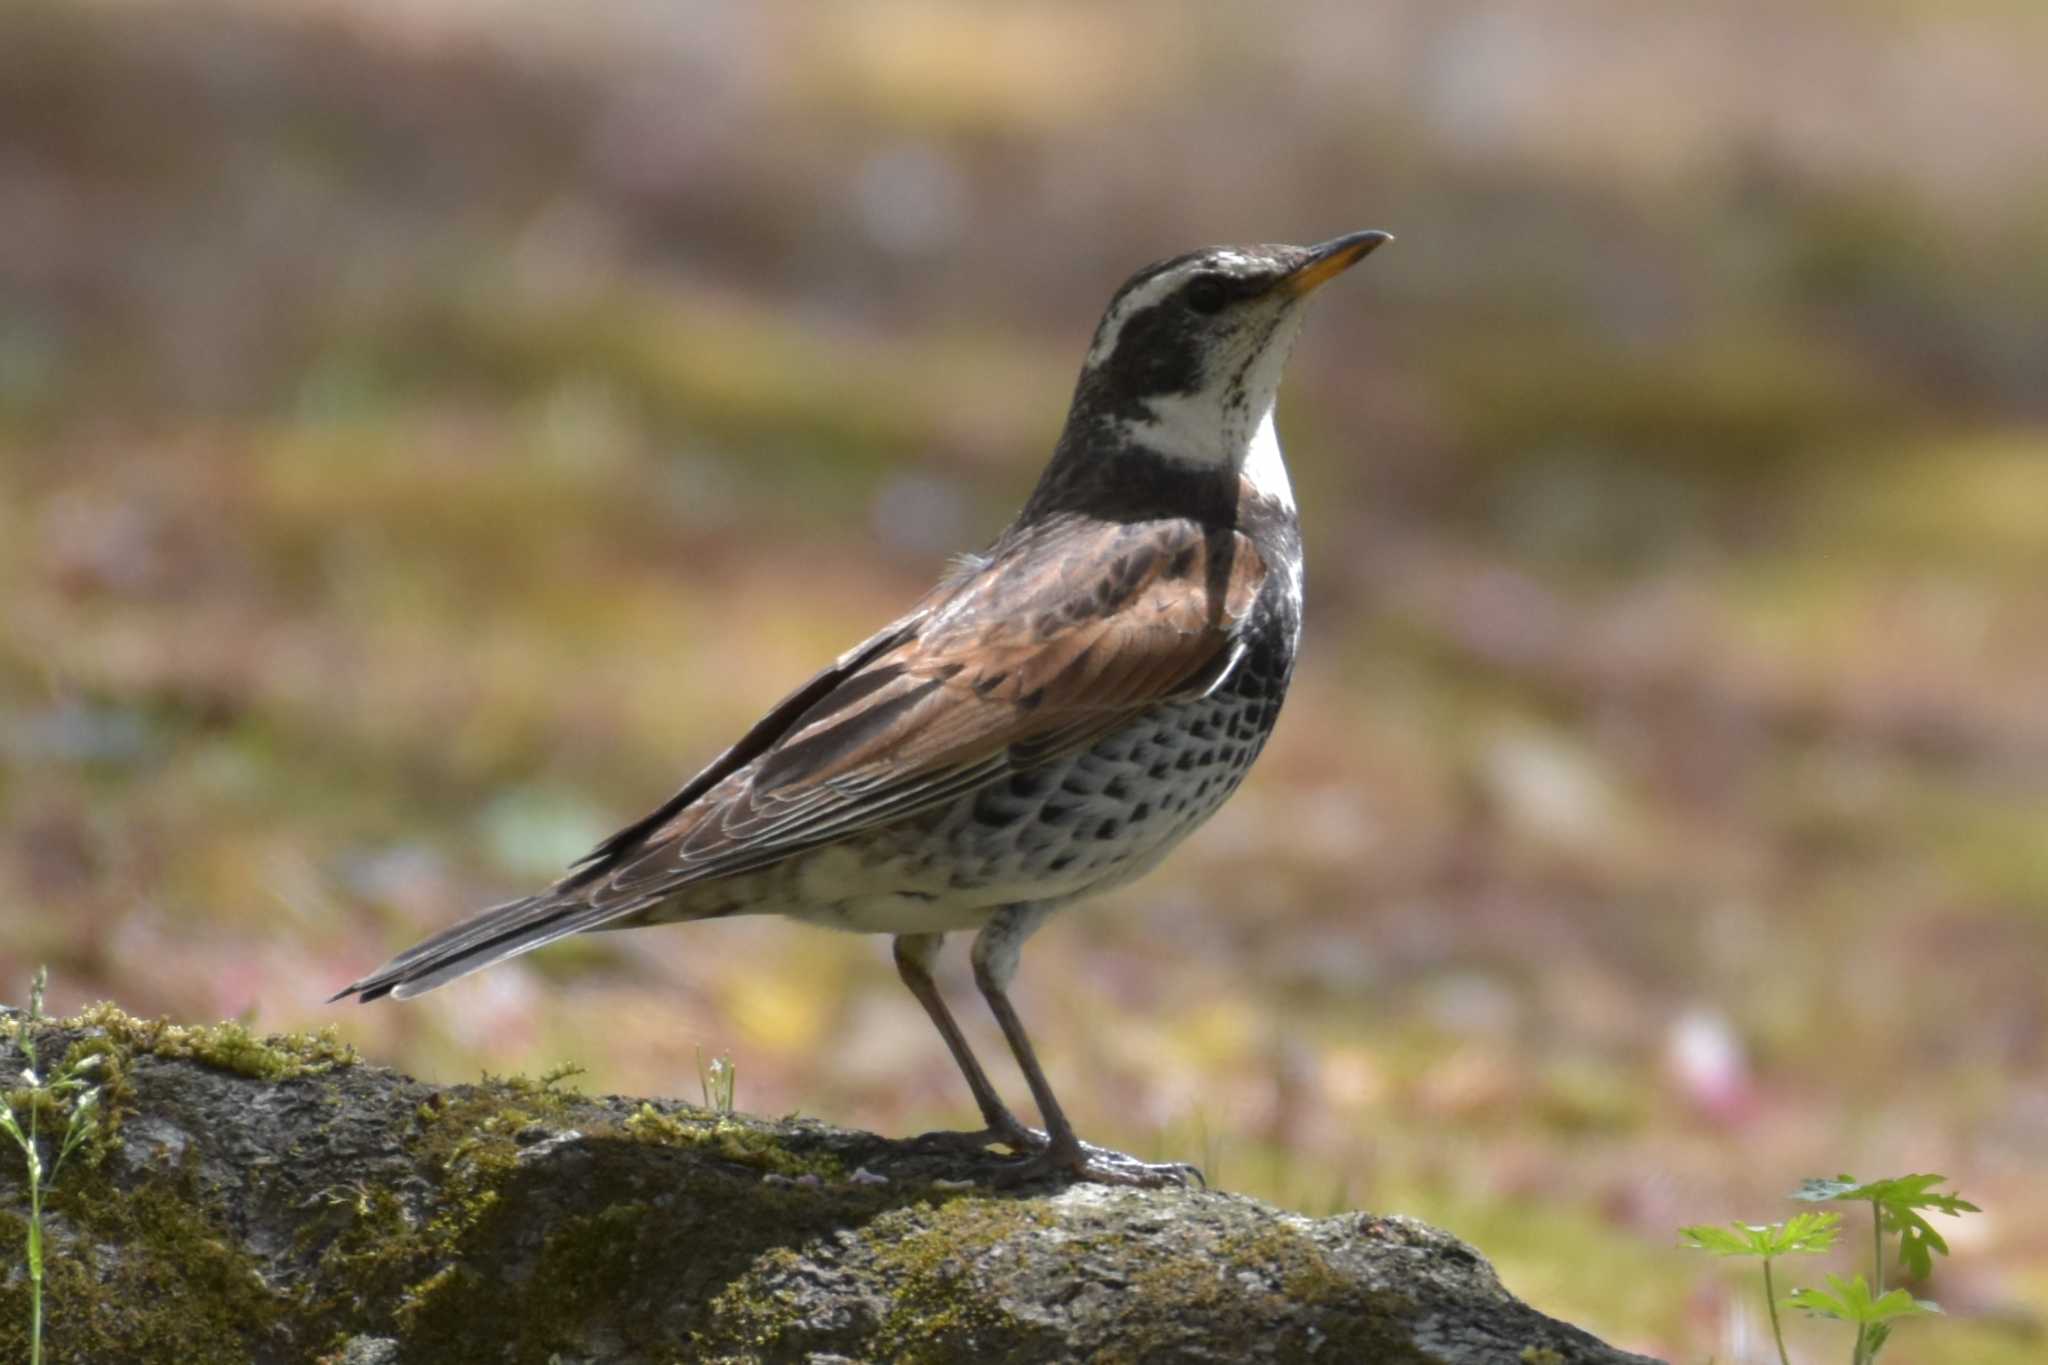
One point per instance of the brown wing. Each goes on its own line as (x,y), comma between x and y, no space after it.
(1060,637)
(1036,653)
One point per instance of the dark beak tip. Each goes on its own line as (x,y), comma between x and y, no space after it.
(1363,243)
(1327,260)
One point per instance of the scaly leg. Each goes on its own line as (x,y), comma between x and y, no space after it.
(914,954)
(995,964)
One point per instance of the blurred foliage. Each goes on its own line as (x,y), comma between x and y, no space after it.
(428,429)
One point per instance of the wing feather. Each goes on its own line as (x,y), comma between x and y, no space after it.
(1037,653)
(1037,650)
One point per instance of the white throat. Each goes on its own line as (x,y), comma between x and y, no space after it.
(1189,427)
(1263,468)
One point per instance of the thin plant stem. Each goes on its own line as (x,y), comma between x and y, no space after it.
(34,1161)
(1771,1302)
(35,1218)
(32,1156)
(35,1271)
(1864,1354)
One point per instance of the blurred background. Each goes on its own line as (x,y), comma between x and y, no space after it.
(429,429)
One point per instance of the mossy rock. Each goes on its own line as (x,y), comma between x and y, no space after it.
(274,1199)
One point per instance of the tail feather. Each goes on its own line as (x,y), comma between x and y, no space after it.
(488,937)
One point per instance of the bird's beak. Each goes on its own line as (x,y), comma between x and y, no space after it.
(1331,259)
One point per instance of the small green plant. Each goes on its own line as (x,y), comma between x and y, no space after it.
(1803,1234)
(558,1077)
(718,1079)
(1850,1300)
(1896,1207)
(73,1093)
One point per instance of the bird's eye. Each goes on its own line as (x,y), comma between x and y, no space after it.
(1206,295)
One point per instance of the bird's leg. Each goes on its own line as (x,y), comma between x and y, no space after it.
(995,963)
(914,954)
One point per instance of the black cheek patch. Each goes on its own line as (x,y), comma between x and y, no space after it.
(1157,353)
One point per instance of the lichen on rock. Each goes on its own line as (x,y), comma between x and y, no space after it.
(276,1199)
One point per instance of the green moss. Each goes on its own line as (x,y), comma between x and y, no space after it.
(1305,1274)
(756,1310)
(481,1123)
(369,1244)
(205,1301)
(933,1259)
(932,1270)
(183,1289)
(734,1139)
(374,1247)
(1247,1280)
(229,1045)
(101,1064)
(1540,1355)
(483,1260)
(470,1255)
(949,1266)
(13,1249)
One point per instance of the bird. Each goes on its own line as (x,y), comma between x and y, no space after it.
(1045,724)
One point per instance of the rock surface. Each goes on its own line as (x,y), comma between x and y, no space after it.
(275,1200)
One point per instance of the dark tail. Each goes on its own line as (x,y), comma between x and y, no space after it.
(484,938)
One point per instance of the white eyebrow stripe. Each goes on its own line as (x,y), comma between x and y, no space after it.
(1136,302)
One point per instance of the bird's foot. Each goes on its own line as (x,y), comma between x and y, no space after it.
(1079,1161)
(1005,1131)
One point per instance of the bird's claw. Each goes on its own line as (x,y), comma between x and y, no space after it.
(1013,1135)
(1082,1161)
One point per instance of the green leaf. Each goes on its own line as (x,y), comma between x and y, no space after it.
(1900,1192)
(1851,1302)
(1898,1202)
(1803,1233)
(1819,1303)
(1815,1190)
(1742,1241)
(1918,1241)
(1808,1233)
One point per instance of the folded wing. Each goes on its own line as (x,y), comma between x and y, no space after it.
(1037,651)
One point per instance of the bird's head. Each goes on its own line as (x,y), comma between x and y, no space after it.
(1188,356)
